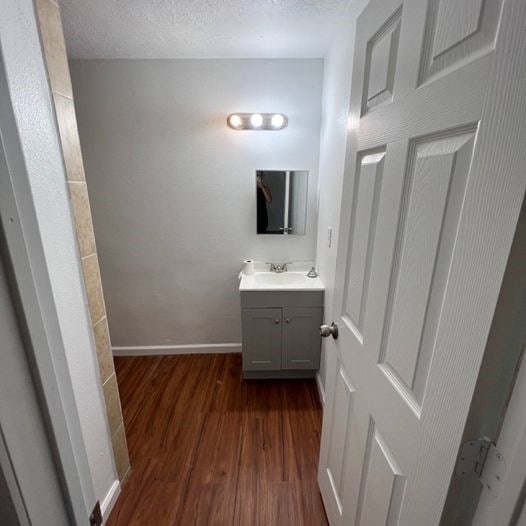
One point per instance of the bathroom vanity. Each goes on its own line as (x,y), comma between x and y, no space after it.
(281,314)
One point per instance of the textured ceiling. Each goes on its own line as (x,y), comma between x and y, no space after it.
(199,28)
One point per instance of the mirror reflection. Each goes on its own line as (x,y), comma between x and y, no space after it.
(281,197)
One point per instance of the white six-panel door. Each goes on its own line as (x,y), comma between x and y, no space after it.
(435,175)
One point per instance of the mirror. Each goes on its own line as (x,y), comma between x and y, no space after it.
(281,199)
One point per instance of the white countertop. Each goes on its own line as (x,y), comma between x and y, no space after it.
(294,280)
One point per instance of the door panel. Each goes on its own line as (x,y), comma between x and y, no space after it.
(301,337)
(457,32)
(261,339)
(340,433)
(382,485)
(426,225)
(369,181)
(382,52)
(433,190)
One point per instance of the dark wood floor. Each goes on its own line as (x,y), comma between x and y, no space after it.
(208,448)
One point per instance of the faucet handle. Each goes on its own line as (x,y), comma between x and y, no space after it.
(278,267)
(312,273)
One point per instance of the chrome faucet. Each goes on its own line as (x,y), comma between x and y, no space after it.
(278,267)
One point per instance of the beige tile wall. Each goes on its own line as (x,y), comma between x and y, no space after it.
(58,71)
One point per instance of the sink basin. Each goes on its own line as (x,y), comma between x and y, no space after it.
(283,278)
(266,280)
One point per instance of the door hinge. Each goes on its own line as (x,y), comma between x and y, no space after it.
(95,519)
(481,459)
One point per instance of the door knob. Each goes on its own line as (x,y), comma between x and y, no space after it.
(332,330)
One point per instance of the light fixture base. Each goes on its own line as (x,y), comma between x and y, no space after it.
(250,121)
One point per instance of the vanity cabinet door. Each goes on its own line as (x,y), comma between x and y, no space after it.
(301,337)
(261,339)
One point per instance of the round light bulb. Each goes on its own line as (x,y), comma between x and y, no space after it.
(277,120)
(256,120)
(235,120)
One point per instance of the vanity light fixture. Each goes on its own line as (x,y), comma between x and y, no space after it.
(234,121)
(277,121)
(257,121)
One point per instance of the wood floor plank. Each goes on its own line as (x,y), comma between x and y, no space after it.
(208,448)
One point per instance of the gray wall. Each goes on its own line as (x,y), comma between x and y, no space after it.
(172,187)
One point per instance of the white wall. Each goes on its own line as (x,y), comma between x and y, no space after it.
(335,108)
(43,165)
(172,188)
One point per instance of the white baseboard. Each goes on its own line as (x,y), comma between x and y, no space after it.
(196,348)
(321,389)
(109,500)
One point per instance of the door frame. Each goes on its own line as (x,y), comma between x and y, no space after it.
(32,488)
(497,378)
(505,508)
(36,305)
(11,485)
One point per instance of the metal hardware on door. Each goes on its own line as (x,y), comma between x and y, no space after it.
(287,320)
(332,330)
(276,321)
(481,459)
